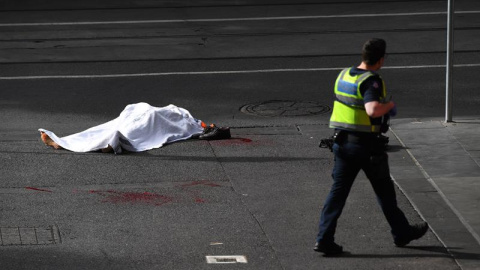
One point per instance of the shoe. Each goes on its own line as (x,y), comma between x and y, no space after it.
(328,249)
(206,129)
(416,232)
(209,128)
(215,133)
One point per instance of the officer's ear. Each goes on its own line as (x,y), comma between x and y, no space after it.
(380,62)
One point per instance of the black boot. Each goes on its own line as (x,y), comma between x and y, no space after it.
(213,132)
(328,248)
(416,232)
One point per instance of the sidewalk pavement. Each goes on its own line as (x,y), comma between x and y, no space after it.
(444,183)
(257,195)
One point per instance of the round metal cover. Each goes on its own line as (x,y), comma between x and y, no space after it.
(286,108)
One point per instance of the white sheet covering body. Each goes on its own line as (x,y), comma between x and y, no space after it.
(139,127)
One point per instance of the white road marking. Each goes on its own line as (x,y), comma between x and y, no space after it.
(226,259)
(237,19)
(154,74)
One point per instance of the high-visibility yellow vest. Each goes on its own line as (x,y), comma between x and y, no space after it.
(349,108)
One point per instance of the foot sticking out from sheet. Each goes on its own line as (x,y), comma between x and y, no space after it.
(48,141)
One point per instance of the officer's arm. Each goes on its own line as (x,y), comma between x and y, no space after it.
(376,109)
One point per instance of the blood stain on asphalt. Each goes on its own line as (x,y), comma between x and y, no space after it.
(38,189)
(117,197)
(233,141)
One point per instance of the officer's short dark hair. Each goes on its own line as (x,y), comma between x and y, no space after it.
(373,50)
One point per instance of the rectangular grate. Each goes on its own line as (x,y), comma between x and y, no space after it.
(25,236)
(226,259)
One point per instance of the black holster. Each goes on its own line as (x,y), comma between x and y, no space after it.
(385,123)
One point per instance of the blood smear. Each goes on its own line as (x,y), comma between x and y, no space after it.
(38,189)
(116,197)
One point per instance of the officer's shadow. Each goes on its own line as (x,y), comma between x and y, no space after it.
(433,252)
(395,148)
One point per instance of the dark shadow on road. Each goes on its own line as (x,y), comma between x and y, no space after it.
(57,257)
(468,122)
(226,159)
(436,252)
(177,157)
(395,148)
(456,252)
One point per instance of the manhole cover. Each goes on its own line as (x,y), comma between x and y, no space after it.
(287,108)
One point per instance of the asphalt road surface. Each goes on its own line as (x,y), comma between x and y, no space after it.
(264,68)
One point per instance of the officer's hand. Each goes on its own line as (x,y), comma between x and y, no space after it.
(393,111)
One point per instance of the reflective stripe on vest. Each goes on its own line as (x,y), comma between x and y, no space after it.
(360,128)
(349,108)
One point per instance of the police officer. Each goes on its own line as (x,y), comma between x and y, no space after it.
(359,111)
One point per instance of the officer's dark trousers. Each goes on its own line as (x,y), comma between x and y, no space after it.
(350,158)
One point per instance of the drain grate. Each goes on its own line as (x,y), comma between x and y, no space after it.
(285,108)
(24,236)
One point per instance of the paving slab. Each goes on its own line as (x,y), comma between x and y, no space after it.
(447,195)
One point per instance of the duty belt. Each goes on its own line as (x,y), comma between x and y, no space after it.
(357,137)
